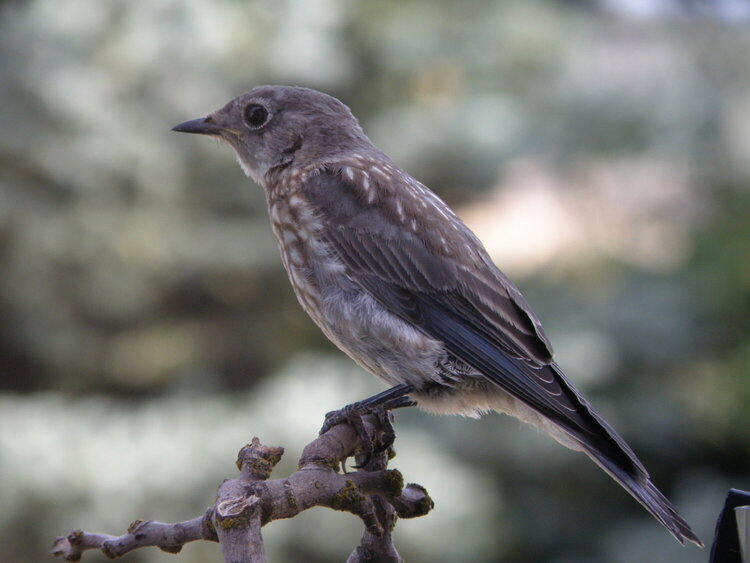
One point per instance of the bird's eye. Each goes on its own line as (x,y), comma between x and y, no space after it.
(256,115)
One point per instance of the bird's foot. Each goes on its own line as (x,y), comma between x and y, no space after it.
(354,414)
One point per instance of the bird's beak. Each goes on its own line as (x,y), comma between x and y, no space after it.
(202,125)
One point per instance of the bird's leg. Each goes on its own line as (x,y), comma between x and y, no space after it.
(390,399)
(379,405)
(386,420)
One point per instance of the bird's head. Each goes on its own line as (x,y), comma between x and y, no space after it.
(277,126)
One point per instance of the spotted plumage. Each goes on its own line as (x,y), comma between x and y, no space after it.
(397,281)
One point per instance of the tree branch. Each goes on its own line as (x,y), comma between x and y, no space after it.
(244,505)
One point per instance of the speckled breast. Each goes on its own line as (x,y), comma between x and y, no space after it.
(313,269)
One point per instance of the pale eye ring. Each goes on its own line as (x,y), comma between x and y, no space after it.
(256,116)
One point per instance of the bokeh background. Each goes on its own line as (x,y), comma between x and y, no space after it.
(601,149)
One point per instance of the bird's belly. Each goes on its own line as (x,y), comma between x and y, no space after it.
(382,343)
(353,320)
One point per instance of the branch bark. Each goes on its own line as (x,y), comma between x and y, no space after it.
(244,505)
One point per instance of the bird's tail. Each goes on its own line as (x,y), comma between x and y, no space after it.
(645,492)
(610,452)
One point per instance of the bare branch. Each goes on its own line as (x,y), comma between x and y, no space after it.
(167,537)
(243,505)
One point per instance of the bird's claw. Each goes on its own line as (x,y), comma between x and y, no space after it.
(353,415)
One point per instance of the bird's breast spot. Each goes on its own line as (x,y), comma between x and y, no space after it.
(274,213)
(317,246)
(295,256)
(288,237)
(334,268)
(299,280)
(307,217)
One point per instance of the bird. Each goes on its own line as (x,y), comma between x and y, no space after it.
(399,283)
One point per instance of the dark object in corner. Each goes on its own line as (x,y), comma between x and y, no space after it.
(726,547)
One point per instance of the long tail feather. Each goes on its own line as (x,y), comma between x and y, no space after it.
(646,493)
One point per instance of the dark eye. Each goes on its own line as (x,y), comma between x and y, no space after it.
(256,115)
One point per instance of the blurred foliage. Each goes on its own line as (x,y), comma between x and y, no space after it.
(147,330)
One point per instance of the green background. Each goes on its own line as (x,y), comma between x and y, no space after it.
(147,329)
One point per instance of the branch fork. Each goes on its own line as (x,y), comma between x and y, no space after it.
(374,493)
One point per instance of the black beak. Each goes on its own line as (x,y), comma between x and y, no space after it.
(202,125)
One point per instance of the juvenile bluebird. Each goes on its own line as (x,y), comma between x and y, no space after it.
(394,278)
